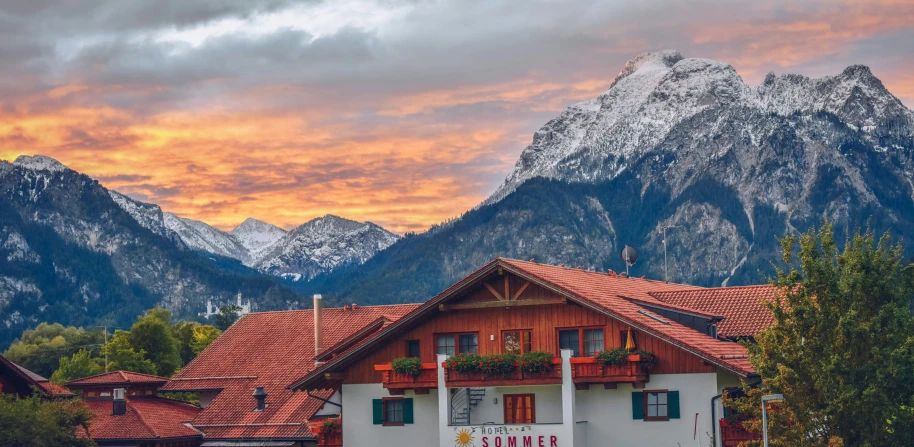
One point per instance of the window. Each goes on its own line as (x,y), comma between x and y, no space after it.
(452,344)
(412,348)
(655,405)
(568,339)
(392,411)
(518,342)
(520,408)
(582,341)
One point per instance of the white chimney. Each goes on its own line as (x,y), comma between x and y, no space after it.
(317,325)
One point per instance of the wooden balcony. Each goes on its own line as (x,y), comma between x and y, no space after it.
(586,371)
(334,439)
(732,435)
(454,379)
(398,383)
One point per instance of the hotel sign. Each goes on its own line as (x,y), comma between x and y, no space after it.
(546,435)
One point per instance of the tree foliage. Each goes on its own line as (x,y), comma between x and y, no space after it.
(31,422)
(226,317)
(841,349)
(80,365)
(40,349)
(123,357)
(152,334)
(203,336)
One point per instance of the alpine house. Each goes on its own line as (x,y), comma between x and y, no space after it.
(518,354)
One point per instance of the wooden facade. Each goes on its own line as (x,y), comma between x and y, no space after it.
(484,309)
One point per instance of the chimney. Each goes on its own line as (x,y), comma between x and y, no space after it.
(260,395)
(119,406)
(317,325)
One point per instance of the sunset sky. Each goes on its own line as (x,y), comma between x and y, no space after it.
(404,113)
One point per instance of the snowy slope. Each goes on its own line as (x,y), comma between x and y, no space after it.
(148,215)
(201,236)
(40,163)
(323,244)
(257,236)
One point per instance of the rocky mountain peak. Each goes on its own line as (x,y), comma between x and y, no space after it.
(256,235)
(40,163)
(665,58)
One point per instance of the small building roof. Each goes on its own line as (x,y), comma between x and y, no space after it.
(117,378)
(743,308)
(151,418)
(26,379)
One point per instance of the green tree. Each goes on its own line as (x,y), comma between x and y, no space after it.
(123,357)
(153,335)
(80,365)
(203,337)
(40,349)
(841,349)
(31,422)
(183,331)
(226,317)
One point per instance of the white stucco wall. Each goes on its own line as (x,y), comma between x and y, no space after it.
(548,404)
(329,409)
(609,413)
(358,429)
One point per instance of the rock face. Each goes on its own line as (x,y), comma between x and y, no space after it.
(70,253)
(680,143)
(321,245)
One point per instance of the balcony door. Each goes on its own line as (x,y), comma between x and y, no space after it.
(520,408)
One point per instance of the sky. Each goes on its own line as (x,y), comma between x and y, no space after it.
(403,113)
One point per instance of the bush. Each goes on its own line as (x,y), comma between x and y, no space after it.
(614,356)
(330,426)
(648,359)
(498,364)
(408,366)
(465,363)
(536,362)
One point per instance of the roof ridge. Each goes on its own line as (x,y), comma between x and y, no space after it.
(711,289)
(366,306)
(142,420)
(605,274)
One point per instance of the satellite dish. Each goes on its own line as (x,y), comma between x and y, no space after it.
(629,256)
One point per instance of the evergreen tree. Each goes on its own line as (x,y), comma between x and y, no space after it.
(841,349)
(226,317)
(80,365)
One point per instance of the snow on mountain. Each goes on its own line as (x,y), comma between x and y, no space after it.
(658,93)
(201,236)
(40,163)
(257,236)
(323,244)
(148,215)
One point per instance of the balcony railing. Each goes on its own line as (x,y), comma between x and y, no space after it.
(586,371)
(427,378)
(513,378)
(731,435)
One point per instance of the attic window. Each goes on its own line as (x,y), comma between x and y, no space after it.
(655,317)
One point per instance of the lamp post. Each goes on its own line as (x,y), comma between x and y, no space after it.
(765,399)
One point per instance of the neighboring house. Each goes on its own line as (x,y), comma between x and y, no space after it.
(243,376)
(129,412)
(15,379)
(516,306)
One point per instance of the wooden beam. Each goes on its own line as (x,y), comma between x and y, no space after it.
(497,304)
(520,291)
(334,376)
(638,385)
(421,390)
(494,292)
(610,386)
(507,289)
(582,386)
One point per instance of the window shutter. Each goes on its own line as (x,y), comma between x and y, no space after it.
(672,399)
(408,411)
(377,410)
(638,405)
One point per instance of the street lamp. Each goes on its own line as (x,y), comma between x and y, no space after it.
(765,399)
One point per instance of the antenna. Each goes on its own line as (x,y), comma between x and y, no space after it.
(629,256)
(666,276)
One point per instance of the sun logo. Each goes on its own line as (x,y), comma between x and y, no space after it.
(464,438)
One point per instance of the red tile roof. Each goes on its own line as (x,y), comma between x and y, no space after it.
(610,294)
(146,418)
(118,378)
(743,307)
(269,349)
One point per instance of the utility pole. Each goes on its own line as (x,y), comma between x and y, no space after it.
(666,276)
(103,346)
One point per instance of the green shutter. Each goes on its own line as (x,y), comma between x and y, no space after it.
(407,411)
(638,405)
(377,409)
(672,399)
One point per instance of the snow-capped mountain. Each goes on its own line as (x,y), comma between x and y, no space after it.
(40,163)
(685,145)
(148,215)
(204,237)
(257,236)
(323,244)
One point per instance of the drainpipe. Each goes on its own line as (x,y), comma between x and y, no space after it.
(714,419)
